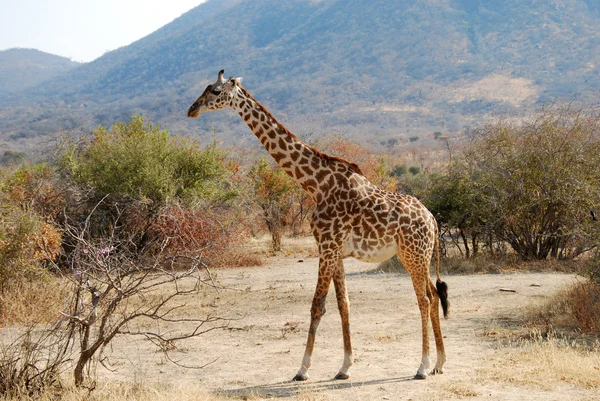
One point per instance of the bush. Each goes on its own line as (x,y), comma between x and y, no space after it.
(538,181)
(138,171)
(142,162)
(195,232)
(28,235)
(25,243)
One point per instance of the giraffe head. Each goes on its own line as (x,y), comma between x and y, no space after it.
(215,96)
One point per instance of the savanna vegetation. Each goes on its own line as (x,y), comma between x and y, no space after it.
(112,216)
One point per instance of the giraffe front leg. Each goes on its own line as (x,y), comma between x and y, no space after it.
(339,281)
(316,312)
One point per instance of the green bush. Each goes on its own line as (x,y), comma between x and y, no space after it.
(121,181)
(538,181)
(139,161)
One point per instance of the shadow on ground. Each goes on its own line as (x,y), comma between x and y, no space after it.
(292,388)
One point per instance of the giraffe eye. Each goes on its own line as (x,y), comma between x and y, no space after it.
(216,92)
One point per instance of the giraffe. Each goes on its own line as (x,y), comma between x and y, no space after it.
(353,218)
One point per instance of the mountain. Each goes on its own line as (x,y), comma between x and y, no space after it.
(24,68)
(369,68)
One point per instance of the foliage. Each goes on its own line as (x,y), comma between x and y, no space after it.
(145,164)
(592,268)
(538,181)
(195,232)
(458,209)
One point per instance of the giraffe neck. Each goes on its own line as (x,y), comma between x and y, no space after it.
(304,164)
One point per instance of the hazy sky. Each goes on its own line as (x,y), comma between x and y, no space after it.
(80,29)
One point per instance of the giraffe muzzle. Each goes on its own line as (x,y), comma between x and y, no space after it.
(194,111)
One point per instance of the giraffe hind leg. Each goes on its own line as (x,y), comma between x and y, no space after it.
(339,281)
(420,278)
(437,330)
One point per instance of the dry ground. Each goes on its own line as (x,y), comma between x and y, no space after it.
(260,352)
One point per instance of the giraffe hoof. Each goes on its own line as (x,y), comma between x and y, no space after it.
(437,371)
(420,376)
(300,377)
(341,376)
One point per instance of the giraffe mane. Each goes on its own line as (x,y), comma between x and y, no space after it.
(323,156)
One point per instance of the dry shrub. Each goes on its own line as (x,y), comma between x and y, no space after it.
(32,362)
(26,242)
(576,309)
(204,233)
(392,265)
(584,303)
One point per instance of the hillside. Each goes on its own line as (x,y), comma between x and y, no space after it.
(24,68)
(384,67)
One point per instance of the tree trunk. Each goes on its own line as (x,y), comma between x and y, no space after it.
(276,237)
(466,243)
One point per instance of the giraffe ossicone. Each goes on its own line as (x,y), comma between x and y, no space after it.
(353,217)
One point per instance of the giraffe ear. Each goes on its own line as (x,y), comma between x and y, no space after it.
(239,80)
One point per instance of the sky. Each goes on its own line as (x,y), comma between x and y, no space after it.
(83,30)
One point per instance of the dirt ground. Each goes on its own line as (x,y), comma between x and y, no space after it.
(261,350)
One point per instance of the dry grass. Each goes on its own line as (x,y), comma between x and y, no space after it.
(462,390)
(298,247)
(237,258)
(32,302)
(546,363)
(125,391)
(531,352)
(574,310)
(453,265)
(114,391)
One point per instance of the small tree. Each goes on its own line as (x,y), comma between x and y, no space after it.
(273,190)
(107,283)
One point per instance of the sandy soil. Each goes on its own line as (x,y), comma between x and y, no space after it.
(260,352)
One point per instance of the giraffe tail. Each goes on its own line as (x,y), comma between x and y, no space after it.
(441,286)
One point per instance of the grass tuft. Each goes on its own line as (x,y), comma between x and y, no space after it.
(546,361)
